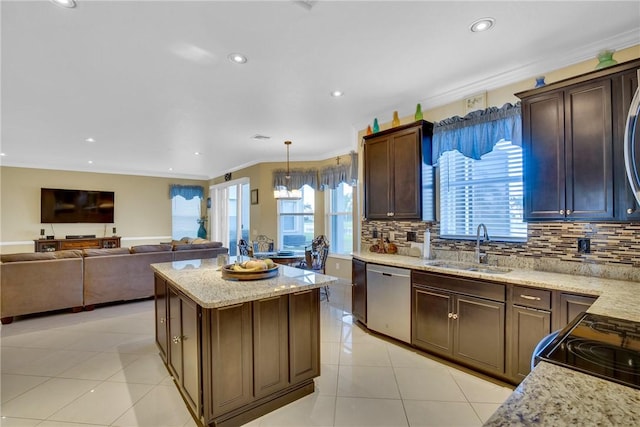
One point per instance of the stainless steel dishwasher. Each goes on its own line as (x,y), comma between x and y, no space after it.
(389,301)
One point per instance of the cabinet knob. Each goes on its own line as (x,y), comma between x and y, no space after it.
(176,340)
(391,214)
(568,211)
(455,316)
(561,211)
(162,320)
(450,315)
(630,211)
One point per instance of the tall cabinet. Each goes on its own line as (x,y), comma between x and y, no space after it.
(572,144)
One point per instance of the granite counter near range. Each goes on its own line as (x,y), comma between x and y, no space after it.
(552,395)
(238,349)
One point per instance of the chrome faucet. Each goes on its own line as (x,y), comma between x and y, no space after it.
(480,257)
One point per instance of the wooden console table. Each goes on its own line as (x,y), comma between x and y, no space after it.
(50,245)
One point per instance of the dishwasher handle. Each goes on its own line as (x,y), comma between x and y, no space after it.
(389,272)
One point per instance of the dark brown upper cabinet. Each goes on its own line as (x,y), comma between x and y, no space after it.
(393,162)
(573,134)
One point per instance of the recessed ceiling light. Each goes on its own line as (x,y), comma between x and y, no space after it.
(197,153)
(237,58)
(337,93)
(170,169)
(90,162)
(90,140)
(482,24)
(2,154)
(65,3)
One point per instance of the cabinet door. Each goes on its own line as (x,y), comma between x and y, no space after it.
(571,306)
(191,362)
(228,375)
(174,350)
(378,173)
(161,316)
(431,325)
(304,333)
(544,156)
(528,327)
(589,151)
(270,345)
(406,192)
(479,333)
(359,290)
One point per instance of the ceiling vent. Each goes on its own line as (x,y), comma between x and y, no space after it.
(260,137)
(307,4)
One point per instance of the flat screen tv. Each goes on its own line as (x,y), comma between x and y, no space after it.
(62,206)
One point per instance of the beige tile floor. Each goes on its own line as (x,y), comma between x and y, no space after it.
(101,368)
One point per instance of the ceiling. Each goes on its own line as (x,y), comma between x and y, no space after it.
(151,83)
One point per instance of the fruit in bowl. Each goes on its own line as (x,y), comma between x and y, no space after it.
(254,265)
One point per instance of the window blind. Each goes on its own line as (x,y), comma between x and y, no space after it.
(489,191)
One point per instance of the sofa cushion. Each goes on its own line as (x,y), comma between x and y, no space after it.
(150,248)
(192,246)
(104,252)
(39,256)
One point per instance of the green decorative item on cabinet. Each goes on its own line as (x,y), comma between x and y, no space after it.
(605,59)
(376,127)
(396,120)
(418,115)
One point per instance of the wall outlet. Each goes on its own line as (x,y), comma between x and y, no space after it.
(412,236)
(392,236)
(337,266)
(584,246)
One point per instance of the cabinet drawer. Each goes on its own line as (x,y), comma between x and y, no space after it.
(531,297)
(472,287)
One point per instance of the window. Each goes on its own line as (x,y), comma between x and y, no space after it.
(230,213)
(340,223)
(184,217)
(295,221)
(488,191)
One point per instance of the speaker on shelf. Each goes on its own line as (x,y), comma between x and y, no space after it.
(42,233)
(114,231)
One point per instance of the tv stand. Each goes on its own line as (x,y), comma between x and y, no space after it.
(51,245)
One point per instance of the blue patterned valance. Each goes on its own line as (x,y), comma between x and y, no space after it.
(186,191)
(297,179)
(332,176)
(476,133)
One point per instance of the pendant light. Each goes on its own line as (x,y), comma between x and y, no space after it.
(284,192)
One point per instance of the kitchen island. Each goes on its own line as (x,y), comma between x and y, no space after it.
(552,395)
(238,349)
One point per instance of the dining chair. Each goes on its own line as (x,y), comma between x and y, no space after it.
(262,243)
(316,259)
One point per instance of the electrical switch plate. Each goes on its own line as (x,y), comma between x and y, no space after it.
(584,246)
(411,236)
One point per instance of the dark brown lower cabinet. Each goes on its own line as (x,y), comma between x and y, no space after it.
(161,316)
(304,335)
(466,328)
(528,327)
(359,290)
(236,363)
(183,352)
(571,306)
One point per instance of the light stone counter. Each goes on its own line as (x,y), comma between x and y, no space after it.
(552,395)
(201,280)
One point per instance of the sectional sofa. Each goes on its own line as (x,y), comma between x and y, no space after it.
(81,279)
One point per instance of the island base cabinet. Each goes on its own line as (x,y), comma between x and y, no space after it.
(161,316)
(183,352)
(304,335)
(228,345)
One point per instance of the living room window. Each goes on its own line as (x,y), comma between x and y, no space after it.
(296,220)
(184,217)
(340,219)
(488,191)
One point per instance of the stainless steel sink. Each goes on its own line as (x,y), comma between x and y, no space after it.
(470,267)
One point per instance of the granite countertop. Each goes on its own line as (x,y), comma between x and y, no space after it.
(202,281)
(552,395)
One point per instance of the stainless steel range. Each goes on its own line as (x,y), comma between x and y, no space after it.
(603,346)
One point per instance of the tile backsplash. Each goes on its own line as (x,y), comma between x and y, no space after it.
(552,246)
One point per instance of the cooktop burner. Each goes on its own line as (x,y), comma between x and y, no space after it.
(599,345)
